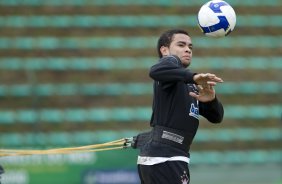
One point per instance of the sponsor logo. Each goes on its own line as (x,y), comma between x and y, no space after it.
(194,111)
(184,178)
(172,137)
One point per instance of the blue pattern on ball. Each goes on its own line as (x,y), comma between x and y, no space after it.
(215,7)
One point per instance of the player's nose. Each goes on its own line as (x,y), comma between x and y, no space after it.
(187,49)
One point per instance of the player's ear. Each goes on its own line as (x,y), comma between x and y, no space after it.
(164,50)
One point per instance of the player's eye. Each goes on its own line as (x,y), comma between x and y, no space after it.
(181,45)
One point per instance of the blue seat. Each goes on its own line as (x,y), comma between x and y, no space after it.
(20,90)
(30,139)
(206,157)
(67,89)
(91,89)
(238,134)
(59,139)
(45,90)
(7,117)
(3,91)
(10,140)
(253,112)
(83,138)
(51,115)
(27,116)
(75,115)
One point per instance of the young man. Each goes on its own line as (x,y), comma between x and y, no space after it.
(180,96)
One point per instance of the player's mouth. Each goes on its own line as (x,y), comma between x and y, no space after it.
(186,57)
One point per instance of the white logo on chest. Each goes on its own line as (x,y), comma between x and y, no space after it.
(194,111)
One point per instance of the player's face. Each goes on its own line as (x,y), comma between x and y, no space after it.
(180,46)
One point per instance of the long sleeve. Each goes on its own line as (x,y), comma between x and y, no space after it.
(169,69)
(212,110)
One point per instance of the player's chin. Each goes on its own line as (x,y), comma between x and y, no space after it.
(186,63)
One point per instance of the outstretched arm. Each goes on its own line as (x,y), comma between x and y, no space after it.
(205,83)
(212,110)
(209,105)
(169,69)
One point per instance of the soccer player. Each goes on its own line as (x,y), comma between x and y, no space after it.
(180,97)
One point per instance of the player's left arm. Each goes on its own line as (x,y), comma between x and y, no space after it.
(212,110)
(209,105)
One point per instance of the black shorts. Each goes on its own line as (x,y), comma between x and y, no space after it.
(170,172)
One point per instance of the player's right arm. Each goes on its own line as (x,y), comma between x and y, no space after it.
(169,70)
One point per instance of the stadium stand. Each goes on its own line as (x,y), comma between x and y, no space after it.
(76,65)
(122,114)
(127,63)
(87,137)
(114,89)
(125,21)
(129,42)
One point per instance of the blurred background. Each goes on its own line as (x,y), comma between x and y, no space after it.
(75,72)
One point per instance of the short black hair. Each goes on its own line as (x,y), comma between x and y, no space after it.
(166,38)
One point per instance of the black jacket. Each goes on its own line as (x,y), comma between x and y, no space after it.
(173,107)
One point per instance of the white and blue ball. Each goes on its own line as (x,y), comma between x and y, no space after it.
(216,18)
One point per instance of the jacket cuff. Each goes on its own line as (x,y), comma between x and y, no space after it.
(189,77)
(213,102)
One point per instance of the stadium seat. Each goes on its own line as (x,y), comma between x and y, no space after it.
(126,63)
(7,117)
(27,116)
(120,21)
(131,42)
(123,114)
(56,138)
(117,89)
(59,139)
(238,134)
(51,116)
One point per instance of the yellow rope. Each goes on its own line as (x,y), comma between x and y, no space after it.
(118,144)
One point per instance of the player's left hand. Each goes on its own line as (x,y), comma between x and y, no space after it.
(206,93)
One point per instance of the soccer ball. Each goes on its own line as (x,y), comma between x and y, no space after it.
(216,18)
